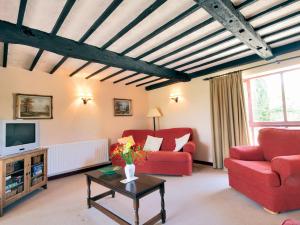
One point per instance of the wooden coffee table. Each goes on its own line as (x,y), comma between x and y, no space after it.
(135,190)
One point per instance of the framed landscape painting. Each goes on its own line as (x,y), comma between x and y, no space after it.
(122,107)
(33,106)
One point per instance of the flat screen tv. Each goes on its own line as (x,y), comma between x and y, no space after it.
(18,135)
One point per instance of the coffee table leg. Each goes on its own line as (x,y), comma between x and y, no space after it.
(88,191)
(113,193)
(163,211)
(136,211)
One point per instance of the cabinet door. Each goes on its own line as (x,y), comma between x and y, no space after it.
(15,181)
(37,170)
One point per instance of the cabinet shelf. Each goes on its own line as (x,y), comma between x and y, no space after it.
(14,172)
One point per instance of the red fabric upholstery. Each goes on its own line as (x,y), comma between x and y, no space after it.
(279,142)
(274,184)
(291,222)
(139,136)
(169,136)
(250,153)
(164,161)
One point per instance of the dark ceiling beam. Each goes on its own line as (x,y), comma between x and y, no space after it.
(148,82)
(137,80)
(224,12)
(295,46)
(231,48)
(160,29)
(216,33)
(63,46)
(230,38)
(67,8)
(110,9)
(21,14)
(112,75)
(127,77)
(182,35)
(127,28)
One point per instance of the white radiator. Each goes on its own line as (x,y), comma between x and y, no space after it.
(63,158)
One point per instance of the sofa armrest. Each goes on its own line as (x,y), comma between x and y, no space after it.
(190,147)
(286,166)
(247,153)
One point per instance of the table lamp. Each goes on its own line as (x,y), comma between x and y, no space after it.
(154,112)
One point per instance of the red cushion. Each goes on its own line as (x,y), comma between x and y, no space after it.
(291,222)
(279,142)
(139,136)
(256,171)
(169,136)
(165,156)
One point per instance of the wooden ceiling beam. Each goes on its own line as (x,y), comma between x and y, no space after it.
(63,46)
(156,32)
(137,80)
(110,9)
(64,13)
(127,77)
(224,12)
(149,82)
(5,54)
(127,28)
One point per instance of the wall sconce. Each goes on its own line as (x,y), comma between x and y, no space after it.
(174,98)
(86,99)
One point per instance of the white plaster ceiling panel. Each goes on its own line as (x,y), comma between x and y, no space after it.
(9,10)
(259,6)
(283,34)
(138,76)
(295,7)
(42,15)
(237,2)
(245,54)
(47,60)
(154,82)
(285,42)
(106,73)
(69,66)
(81,17)
(1,53)
(234,50)
(215,48)
(280,25)
(20,55)
(121,17)
(184,25)
(160,16)
(194,48)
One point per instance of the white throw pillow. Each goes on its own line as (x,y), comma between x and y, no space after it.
(152,143)
(180,142)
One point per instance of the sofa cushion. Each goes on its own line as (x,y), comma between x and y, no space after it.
(279,142)
(169,136)
(259,172)
(152,143)
(139,136)
(165,156)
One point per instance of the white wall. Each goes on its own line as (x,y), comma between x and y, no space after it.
(192,110)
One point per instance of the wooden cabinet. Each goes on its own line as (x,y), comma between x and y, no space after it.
(21,174)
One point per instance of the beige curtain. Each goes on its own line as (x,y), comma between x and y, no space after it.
(229,123)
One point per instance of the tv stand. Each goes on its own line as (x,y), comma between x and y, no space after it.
(22,174)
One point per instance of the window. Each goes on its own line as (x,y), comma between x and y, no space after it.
(273,101)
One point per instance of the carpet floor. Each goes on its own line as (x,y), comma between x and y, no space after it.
(201,199)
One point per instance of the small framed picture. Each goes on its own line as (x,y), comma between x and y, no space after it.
(122,107)
(33,106)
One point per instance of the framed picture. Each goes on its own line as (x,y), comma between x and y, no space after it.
(122,107)
(33,106)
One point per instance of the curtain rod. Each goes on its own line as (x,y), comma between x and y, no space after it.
(278,61)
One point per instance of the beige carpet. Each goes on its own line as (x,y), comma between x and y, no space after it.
(202,199)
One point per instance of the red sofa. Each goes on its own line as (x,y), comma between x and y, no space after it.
(269,173)
(291,222)
(164,161)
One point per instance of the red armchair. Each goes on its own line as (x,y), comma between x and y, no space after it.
(164,161)
(269,173)
(291,222)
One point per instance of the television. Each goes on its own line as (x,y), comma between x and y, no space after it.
(18,135)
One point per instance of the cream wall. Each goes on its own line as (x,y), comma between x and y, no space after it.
(192,110)
(74,121)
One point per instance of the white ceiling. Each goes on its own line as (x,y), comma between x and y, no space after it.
(42,15)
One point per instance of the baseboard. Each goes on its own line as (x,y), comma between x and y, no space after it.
(79,171)
(203,162)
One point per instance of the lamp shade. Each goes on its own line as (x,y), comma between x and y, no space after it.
(154,112)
